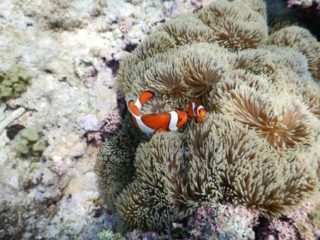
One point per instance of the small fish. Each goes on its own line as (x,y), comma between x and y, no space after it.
(197,111)
(151,123)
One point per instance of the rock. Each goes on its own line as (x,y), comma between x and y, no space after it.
(64,46)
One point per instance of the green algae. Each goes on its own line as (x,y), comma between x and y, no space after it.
(13,83)
(30,142)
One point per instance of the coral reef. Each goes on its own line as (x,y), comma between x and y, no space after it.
(12,222)
(50,15)
(13,83)
(296,225)
(72,50)
(257,145)
(30,142)
(222,222)
(314,216)
(304,3)
(109,235)
(111,125)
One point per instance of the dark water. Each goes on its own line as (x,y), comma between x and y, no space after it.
(308,18)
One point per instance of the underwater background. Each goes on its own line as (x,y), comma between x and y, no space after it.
(74,166)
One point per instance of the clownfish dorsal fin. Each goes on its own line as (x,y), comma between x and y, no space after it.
(143,98)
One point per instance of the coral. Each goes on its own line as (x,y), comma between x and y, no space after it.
(30,142)
(256,147)
(12,223)
(314,216)
(302,222)
(303,3)
(111,124)
(142,235)
(13,83)
(109,235)
(74,15)
(284,230)
(222,222)
(296,225)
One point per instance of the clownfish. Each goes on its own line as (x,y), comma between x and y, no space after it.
(197,111)
(151,123)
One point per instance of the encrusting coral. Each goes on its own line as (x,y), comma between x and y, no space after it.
(257,144)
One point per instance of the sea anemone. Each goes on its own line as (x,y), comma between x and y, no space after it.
(257,145)
(235,29)
(302,40)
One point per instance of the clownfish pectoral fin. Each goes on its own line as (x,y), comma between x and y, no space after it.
(198,119)
(182,118)
(133,109)
(160,130)
(201,112)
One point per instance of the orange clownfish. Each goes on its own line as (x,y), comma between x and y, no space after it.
(151,123)
(197,111)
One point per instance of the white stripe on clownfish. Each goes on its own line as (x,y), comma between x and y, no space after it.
(151,123)
(198,109)
(173,121)
(138,104)
(144,128)
(194,108)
